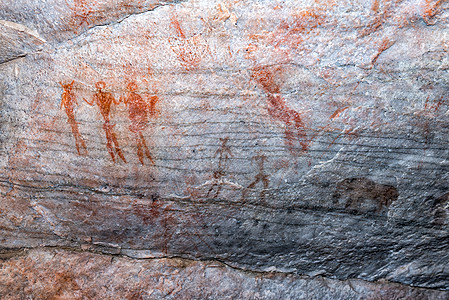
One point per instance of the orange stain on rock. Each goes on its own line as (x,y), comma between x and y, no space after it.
(431,8)
(290,37)
(384,11)
(375,6)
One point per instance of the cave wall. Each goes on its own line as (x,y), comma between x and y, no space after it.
(285,143)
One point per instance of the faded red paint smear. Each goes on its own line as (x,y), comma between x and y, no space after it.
(82,10)
(177,26)
(68,102)
(386,43)
(39,122)
(431,8)
(172,224)
(291,34)
(189,51)
(151,212)
(295,130)
(161,215)
(431,112)
(434,107)
(261,177)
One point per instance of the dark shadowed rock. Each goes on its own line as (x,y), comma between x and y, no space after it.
(364,194)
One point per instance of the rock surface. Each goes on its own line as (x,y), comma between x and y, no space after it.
(59,274)
(308,138)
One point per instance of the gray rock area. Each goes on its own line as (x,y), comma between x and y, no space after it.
(284,149)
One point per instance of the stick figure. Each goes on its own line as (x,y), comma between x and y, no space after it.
(104,100)
(260,177)
(68,102)
(139,110)
(223,153)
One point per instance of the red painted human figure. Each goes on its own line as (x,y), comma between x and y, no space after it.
(68,102)
(139,111)
(104,101)
(278,109)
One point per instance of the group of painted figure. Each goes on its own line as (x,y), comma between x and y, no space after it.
(139,113)
(295,134)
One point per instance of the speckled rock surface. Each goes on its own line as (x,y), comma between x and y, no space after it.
(299,137)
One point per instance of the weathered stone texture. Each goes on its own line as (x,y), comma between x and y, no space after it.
(308,137)
(57,274)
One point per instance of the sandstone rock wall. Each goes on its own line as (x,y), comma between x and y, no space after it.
(308,138)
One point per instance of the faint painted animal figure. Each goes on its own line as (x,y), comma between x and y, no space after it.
(104,101)
(68,102)
(364,194)
(260,177)
(278,109)
(139,110)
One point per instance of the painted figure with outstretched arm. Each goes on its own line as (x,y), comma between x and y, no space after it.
(104,101)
